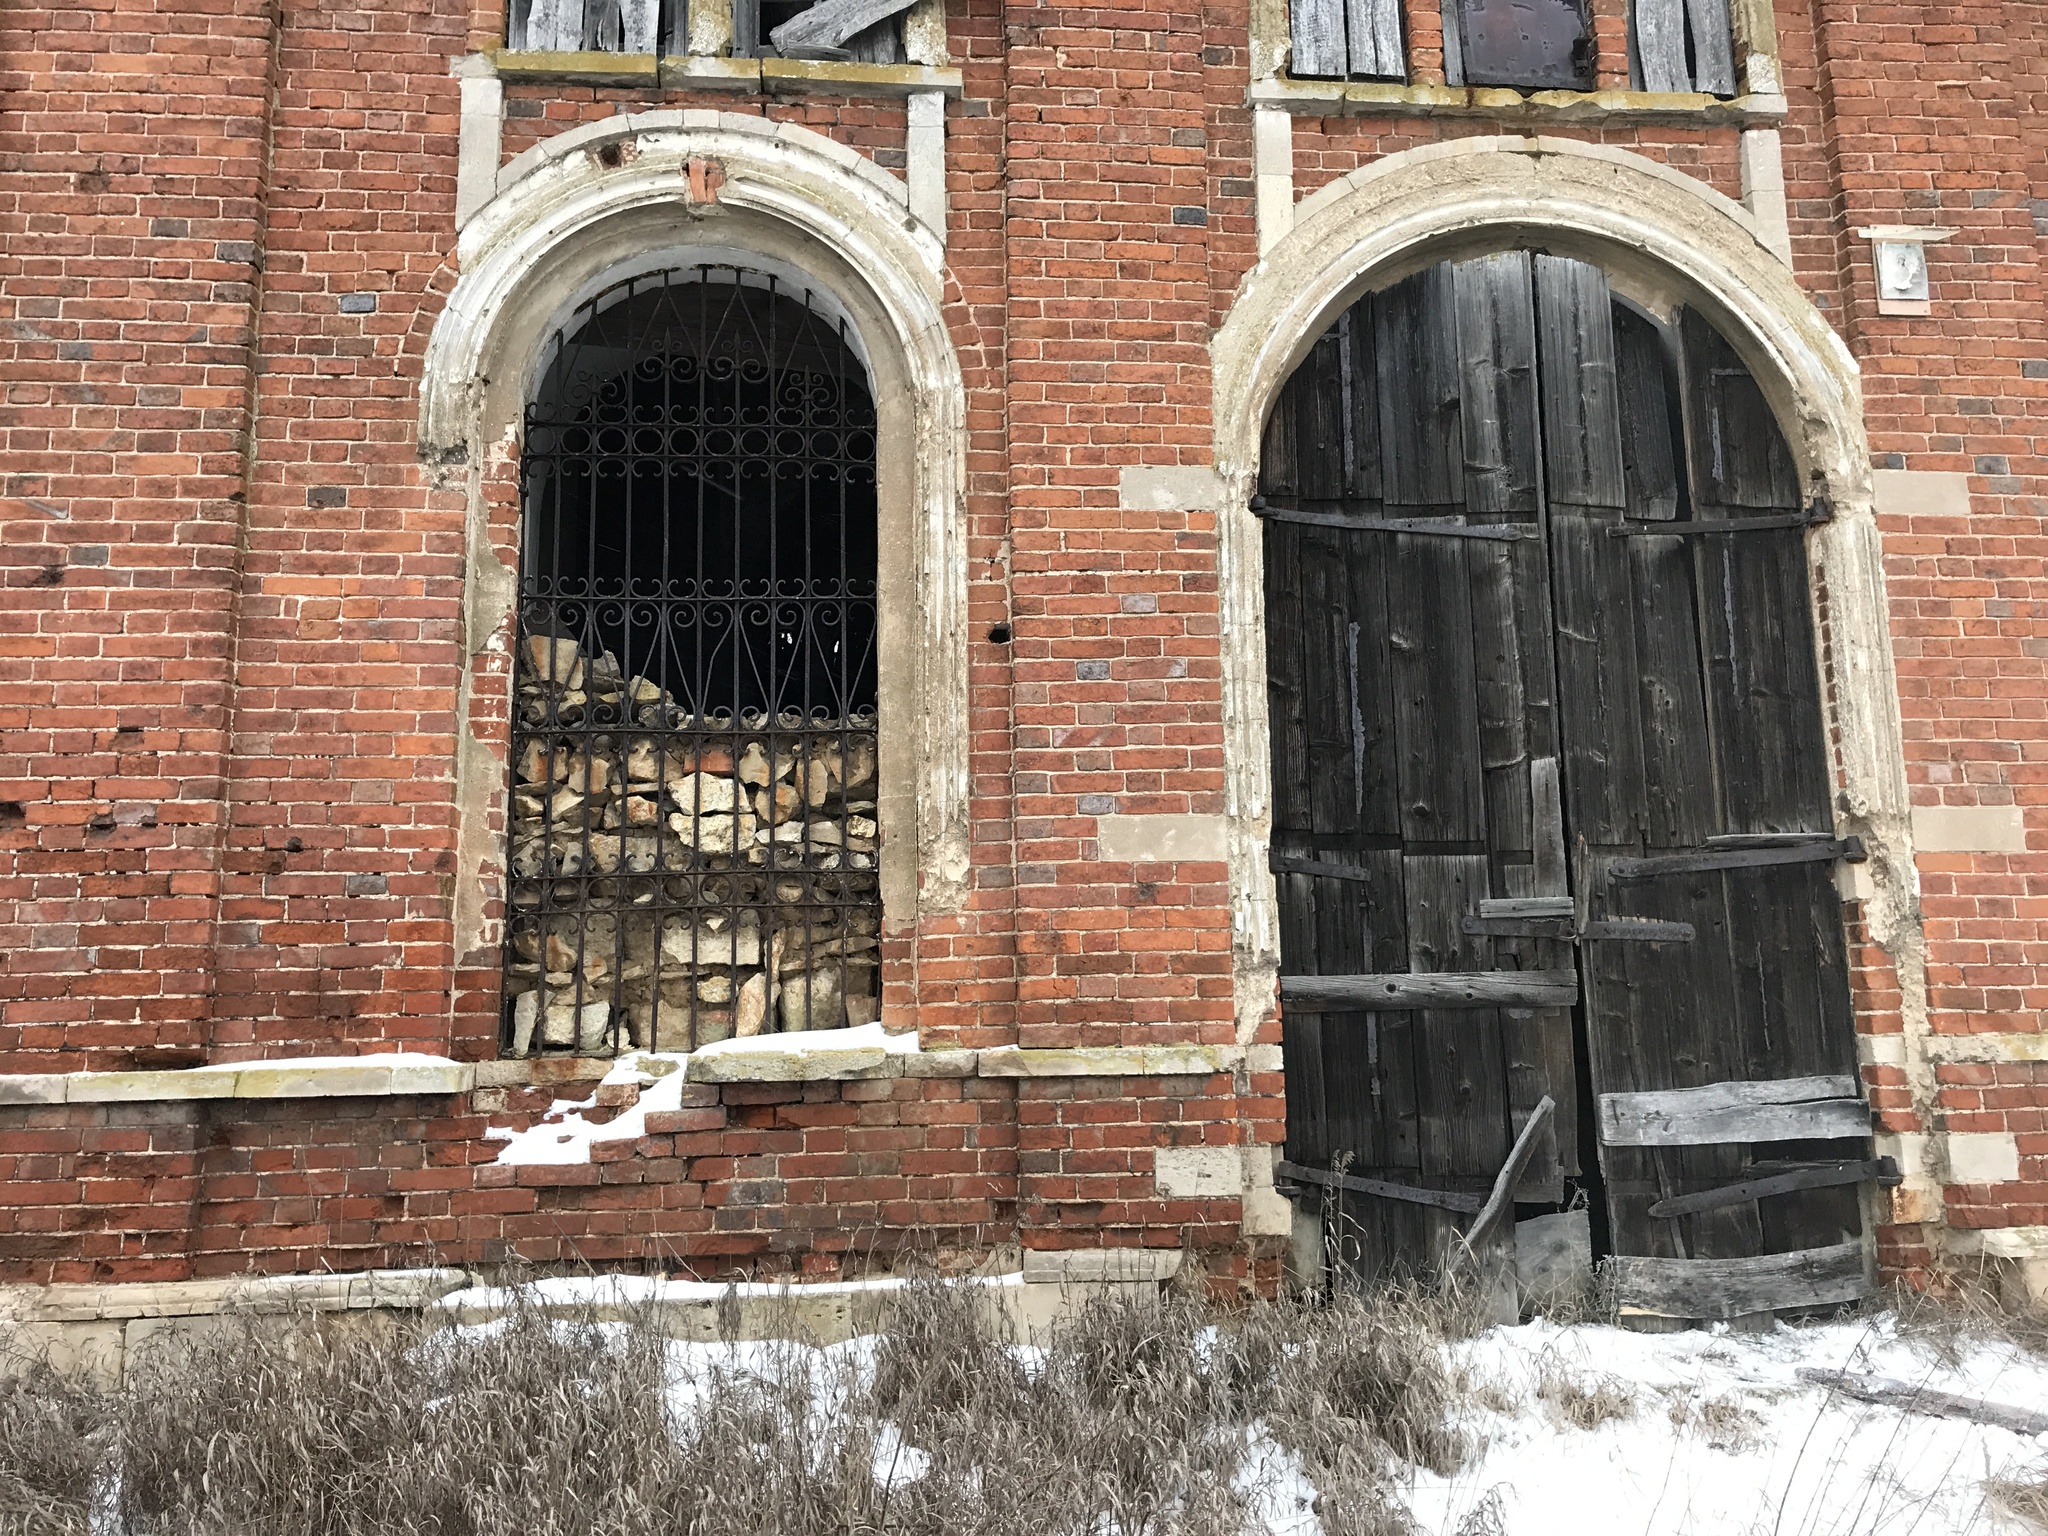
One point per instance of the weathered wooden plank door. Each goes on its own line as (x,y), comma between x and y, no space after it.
(1411,690)
(1537,627)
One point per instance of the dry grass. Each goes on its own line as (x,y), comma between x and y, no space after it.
(2024,1498)
(1725,1423)
(1968,1304)
(1581,1400)
(1134,1416)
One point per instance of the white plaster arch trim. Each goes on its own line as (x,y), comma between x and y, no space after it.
(1664,238)
(563,222)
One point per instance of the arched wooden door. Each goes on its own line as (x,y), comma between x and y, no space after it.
(1551,795)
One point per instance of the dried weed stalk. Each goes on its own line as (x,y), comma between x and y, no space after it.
(1135,1416)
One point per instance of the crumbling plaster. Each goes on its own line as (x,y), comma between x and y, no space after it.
(674,188)
(1664,239)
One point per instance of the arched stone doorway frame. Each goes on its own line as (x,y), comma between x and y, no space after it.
(1664,239)
(679,188)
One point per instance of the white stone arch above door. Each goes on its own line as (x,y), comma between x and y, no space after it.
(1663,238)
(676,188)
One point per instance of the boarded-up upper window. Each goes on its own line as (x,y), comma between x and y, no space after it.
(1343,39)
(867,31)
(1683,45)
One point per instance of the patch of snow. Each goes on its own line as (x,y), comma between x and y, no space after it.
(1804,1461)
(897,1464)
(1277,1493)
(564,1135)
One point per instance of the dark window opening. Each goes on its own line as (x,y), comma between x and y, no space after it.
(694,840)
(1530,45)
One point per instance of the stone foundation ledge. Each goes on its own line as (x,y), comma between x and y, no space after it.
(97,1330)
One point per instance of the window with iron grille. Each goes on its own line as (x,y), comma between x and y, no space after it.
(693,833)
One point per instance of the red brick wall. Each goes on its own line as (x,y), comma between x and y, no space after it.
(758,1178)
(1930,115)
(231,647)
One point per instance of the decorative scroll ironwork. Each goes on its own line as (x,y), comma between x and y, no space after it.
(694,841)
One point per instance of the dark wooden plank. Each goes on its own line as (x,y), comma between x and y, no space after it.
(1416,351)
(1872,1170)
(1548,856)
(1793,1109)
(1502,715)
(1460,1065)
(1436,722)
(1384,1189)
(1738,456)
(1821,850)
(1581,409)
(1320,50)
(1333,709)
(1319,418)
(1791,972)
(1649,416)
(1288,685)
(1301,1065)
(1678,787)
(1375,39)
(1497,362)
(1358,333)
(1278,463)
(1358,927)
(1713,47)
(1599,681)
(1763,684)
(1724,1288)
(1659,36)
(1432,989)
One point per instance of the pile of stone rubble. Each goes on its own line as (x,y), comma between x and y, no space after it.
(677,881)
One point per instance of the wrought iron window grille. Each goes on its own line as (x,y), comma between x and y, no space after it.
(693,838)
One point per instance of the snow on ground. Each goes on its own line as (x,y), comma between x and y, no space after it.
(1703,1433)
(1723,1439)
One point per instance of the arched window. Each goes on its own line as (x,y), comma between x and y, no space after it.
(693,840)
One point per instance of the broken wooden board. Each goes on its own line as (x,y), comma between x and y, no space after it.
(1794,1109)
(1499,1205)
(1809,851)
(1946,1405)
(830,23)
(1388,990)
(1714,1289)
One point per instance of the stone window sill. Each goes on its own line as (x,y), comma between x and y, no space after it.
(405,1073)
(1364,98)
(693,72)
(322,1077)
